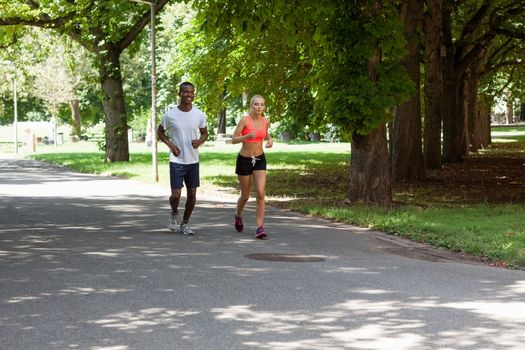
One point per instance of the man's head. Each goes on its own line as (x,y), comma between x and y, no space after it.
(184,85)
(186,92)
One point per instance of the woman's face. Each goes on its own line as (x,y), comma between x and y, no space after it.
(258,105)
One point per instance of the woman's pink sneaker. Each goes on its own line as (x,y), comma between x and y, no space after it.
(238,224)
(260,233)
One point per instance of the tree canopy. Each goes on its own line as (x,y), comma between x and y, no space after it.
(104,28)
(321,48)
(319,64)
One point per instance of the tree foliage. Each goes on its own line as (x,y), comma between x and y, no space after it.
(471,30)
(227,62)
(279,47)
(51,70)
(503,68)
(104,28)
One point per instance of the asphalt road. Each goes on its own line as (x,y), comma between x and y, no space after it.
(86,262)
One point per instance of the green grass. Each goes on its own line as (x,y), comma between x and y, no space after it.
(505,134)
(312,178)
(508,129)
(496,232)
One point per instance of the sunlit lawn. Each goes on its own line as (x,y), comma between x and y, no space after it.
(508,134)
(285,162)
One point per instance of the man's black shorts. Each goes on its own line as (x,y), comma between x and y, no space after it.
(246,165)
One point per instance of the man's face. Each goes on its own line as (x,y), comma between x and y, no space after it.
(187,94)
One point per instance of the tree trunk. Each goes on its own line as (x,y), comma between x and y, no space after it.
(117,147)
(75,116)
(450,93)
(406,152)
(522,112)
(460,56)
(484,116)
(369,170)
(510,110)
(489,123)
(451,141)
(473,117)
(455,128)
(221,127)
(453,114)
(462,119)
(433,84)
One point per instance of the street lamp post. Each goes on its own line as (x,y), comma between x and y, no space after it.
(153,91)
(15,110)
(15,102)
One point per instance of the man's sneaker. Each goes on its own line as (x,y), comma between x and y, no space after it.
(260,233)
(185,230)
(238,224)
(173,222)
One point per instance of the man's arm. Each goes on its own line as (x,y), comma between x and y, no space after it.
(161,133)
(200,140)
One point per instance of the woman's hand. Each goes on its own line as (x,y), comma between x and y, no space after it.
(269,144)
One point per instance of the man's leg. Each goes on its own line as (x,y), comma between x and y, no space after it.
(173,220)
(192,180)
(190,204)
(174,200)
(176,178)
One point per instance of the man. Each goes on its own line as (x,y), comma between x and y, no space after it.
(182,122)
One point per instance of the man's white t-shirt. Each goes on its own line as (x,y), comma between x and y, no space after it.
(183,127)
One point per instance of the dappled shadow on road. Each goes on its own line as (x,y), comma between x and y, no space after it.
(87,262)
(382,324)
(103,273)
(37,172)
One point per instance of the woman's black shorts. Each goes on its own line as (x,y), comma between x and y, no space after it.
(246,165)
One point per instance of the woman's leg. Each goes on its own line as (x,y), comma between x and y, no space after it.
(244,183)
(259,181)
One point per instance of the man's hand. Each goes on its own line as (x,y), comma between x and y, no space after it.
(175,150)
(196,143)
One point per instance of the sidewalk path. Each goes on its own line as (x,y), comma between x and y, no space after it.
(87,263)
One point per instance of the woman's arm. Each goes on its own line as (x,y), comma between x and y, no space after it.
(237,134)
(268,137)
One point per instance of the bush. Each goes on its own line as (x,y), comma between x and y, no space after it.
(139,122)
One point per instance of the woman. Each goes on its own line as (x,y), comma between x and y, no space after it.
(252,130)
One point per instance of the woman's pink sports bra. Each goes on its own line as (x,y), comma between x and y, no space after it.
(260,134)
